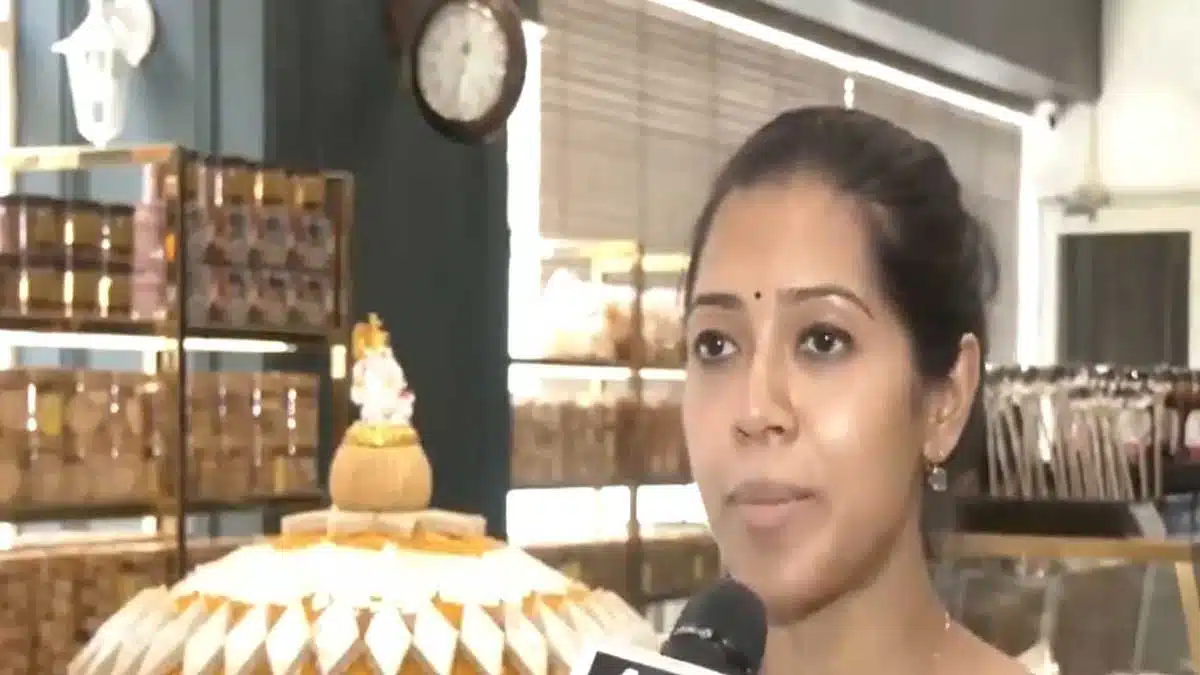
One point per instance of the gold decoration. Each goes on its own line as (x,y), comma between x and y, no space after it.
(380,435)
(369,336)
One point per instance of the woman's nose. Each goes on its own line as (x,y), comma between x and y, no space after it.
(767,413)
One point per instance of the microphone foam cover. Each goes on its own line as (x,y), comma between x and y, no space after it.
(726,613)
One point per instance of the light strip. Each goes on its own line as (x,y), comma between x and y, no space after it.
(138,343)
(12,538)
(554,371)
(854,65)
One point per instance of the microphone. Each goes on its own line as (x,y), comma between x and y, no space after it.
(721,631)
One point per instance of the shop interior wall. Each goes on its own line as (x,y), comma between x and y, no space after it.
(309,83)
(1148,136)
(1142,143)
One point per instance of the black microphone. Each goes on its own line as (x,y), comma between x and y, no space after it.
(721,631)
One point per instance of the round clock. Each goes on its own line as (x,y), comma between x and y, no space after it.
(467,60)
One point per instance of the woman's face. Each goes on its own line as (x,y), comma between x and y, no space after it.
(805,421)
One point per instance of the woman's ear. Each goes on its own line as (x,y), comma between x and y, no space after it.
(949,405)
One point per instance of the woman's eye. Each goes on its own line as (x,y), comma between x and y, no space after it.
(825,342)
(710,345)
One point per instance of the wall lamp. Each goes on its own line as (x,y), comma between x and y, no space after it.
(101,55)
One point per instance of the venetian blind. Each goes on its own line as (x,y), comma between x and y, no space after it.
(986,157)
(641,103)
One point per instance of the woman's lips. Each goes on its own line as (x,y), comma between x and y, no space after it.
(768,505)
(766,516)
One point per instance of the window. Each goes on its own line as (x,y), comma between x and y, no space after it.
(641,102)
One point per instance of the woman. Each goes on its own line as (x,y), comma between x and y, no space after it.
(836,330)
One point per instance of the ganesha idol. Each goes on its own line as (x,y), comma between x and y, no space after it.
(379,387)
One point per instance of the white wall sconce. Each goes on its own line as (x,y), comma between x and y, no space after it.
(101,55)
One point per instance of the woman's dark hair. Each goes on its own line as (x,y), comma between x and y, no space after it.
(935,260)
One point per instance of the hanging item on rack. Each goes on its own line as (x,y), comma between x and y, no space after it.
(464,61)
(1094,433)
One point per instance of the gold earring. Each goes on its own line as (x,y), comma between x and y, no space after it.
(935,475)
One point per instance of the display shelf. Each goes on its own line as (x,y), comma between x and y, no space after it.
(566,369)
(18,514)
(599,303)
(218,255)
(81,324)
(56,332)
(595,394)
(548,364)
(72,157)
(301,339)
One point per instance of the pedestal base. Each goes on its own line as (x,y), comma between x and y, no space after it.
(335,521)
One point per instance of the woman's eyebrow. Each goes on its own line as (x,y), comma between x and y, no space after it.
(718,300)
(805,293)
(793,295)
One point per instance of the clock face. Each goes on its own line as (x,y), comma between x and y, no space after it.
(462,61)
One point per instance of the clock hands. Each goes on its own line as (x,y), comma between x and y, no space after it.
(463,77)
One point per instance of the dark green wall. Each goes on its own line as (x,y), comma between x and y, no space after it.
(308,83)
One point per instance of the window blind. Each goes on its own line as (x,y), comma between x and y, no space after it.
(641,103)
(986,157)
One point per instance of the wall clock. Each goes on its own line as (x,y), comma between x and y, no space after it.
(466,66)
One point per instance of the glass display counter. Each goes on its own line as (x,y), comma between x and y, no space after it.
(1078,606)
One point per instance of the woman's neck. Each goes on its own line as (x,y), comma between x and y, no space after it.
(893,624)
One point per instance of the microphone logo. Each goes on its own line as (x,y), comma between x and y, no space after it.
(706,634)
